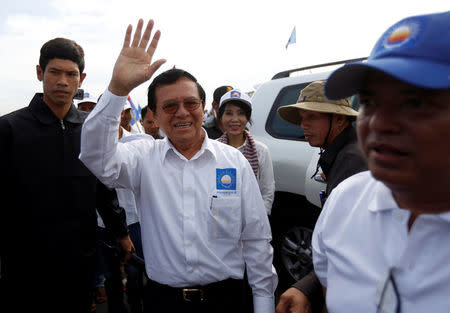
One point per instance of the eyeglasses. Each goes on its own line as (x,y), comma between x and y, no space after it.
(189,105)
(387,296)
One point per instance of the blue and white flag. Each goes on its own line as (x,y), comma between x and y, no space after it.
(136,112)
(292,39)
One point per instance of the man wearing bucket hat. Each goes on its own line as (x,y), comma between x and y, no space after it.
(381,241)
(328,125)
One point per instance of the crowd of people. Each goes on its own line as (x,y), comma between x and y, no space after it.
(190,194)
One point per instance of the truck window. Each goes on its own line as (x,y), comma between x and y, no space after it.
(275,125)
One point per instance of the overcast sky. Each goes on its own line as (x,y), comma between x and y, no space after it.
(241,43)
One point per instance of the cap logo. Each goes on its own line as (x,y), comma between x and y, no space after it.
(86,95)
(235,94)
(399,35)
(301,99)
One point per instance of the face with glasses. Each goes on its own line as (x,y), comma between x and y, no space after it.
(179,112)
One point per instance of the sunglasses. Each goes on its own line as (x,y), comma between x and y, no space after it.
(189,105)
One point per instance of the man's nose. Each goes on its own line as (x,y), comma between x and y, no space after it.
(181,110)
(63,79)
(303,124)
(384,118)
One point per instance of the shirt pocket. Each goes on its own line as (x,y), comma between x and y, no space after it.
(225,218)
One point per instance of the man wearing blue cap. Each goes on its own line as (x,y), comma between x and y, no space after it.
(381,242)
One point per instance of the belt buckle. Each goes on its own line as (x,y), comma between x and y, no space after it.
(187,293)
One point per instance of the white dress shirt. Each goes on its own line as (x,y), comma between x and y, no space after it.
(202,219)
(362,234)
(125,196)
(266,180)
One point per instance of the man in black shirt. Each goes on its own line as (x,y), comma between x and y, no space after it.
(48,219)
(327,124)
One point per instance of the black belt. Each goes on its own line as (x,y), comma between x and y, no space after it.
(197,293)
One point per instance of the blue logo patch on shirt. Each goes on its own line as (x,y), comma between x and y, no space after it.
(225,178)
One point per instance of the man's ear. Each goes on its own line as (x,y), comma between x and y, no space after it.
(341,120)
(82,77)
(39,73)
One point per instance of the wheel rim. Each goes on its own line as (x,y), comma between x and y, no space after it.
(296,252)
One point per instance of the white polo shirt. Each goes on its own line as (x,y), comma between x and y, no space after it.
(361,234)
(202,219)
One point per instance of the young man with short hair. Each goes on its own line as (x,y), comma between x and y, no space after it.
(48,219)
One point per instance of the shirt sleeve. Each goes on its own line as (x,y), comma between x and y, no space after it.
(257,250)
(310,286)
(116,164)
(266,178)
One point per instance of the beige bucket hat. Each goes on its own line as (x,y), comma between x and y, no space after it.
(312,98)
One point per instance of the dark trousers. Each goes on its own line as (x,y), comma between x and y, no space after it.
(220,297)
(135,276)
(109,264)
(52,284)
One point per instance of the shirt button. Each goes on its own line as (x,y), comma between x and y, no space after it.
(189,244)
(188,189)
(192,269)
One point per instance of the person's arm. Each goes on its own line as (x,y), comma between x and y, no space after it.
(112,214)
(114,217)
(312,289)
(257,250)
(266,179)
(113,163)
(7,200)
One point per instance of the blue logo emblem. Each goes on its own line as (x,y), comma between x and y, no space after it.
(235,94)
(225,178)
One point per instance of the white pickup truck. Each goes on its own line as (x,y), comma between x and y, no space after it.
(297,202)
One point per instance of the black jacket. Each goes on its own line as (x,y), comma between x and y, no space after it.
(49,197)
(212,129)
(342,159)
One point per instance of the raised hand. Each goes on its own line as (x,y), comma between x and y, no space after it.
(133,66)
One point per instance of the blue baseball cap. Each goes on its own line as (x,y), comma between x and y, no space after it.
(415,50)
